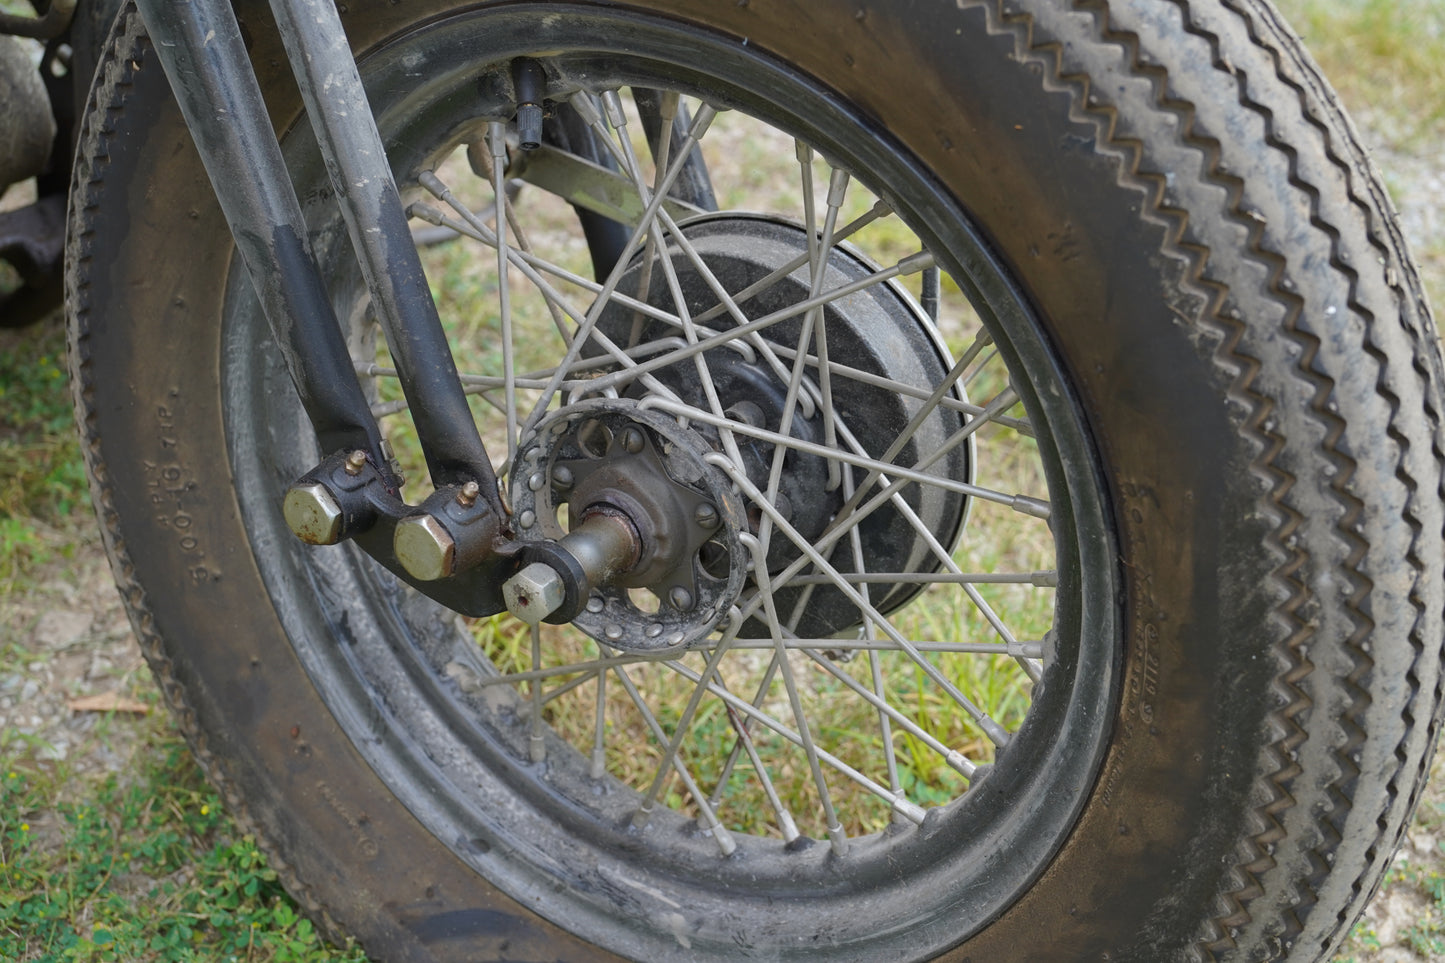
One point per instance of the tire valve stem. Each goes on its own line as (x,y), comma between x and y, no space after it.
(529,80)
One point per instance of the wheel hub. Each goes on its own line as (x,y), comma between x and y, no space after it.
(612,457)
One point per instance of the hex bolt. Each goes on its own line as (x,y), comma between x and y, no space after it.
(562,479)
(313,513)
(534,593)
(680,598)
(355,462)
(632,440)
(424,548)
(706,515)
(467,496)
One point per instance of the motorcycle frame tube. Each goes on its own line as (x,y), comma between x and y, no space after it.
(204,57)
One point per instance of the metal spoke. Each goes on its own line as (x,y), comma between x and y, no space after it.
(497,134)
(760,570)
(669,757)
(536,747)
(995,732)
(909,810)
(724,839)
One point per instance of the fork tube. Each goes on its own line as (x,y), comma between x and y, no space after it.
(351,146)
(201,51)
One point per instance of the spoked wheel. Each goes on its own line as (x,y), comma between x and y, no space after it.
(972,542)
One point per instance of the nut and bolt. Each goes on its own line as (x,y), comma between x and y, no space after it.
(467,496)
(355,462)
(313,514)
(424,548)
(534,593)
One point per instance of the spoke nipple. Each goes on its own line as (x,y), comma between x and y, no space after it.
(467,497)
(313,514)
(355,462)
(632,440)
(706,515)
(680,598)
(562,478)
(536,481)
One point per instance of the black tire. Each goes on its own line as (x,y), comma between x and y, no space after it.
(1198,287)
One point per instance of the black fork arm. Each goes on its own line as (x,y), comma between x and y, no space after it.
(200,47)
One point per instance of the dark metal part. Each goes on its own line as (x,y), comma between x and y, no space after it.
(27,126)
(929,292)
(32,240)
(530,83)
(606,238)
(201,49)
(338,501)
(50,25)
(366,190)
(589,186)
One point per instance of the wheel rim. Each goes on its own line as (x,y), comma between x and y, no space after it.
(537,808)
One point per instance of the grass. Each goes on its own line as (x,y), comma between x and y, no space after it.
(141,861)
(138,865)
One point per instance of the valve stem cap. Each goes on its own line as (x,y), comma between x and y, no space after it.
(424,548)
(534,593)
(313,514)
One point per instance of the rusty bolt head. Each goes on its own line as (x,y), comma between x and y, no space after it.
(313,514)
(424,548)
(534,593)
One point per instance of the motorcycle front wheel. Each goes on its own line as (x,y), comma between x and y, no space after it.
(1055,414)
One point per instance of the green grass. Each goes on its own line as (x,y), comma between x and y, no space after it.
(138,865)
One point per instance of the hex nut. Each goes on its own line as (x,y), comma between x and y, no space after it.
(535,592)
(313,514)
(424,548)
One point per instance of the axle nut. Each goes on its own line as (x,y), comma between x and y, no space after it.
(313,514)
(535,592)
(424,548)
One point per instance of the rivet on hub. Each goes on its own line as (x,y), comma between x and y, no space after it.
(680,598)
(562,479)
(706,516)
(424,548)
(632,440)
(313,514)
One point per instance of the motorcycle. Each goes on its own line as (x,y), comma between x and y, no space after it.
(821,481)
